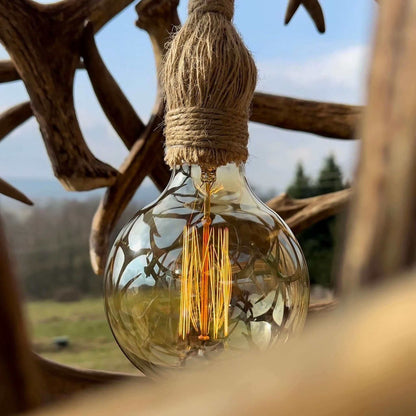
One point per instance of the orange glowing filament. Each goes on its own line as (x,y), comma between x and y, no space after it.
(206,282)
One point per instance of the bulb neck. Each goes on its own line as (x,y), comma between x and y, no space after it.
(230,186)
(231,171)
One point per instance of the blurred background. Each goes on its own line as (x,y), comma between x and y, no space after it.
(50,240)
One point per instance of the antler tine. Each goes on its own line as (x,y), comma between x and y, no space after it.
(313,8)
(14,117)
(12,192)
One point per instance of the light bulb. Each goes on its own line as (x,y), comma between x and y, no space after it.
(205,271)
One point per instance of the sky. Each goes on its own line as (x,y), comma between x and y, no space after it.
(293,60)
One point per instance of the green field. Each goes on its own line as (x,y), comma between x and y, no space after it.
(91,344)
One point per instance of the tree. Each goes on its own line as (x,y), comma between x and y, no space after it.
(51,248)
(318,241)
(330,177)
(301,186)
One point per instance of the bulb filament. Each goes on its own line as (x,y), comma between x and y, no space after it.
(206,274)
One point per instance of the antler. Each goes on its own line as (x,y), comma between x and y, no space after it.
(114,103)
(313,8)
(302,213)
(8,72)
(381,238)
(12,192)
(157,18)
(46,54)
(338,121)
(14,117)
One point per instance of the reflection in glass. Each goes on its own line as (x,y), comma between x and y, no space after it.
(205,271)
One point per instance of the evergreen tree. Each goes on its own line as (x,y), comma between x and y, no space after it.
(318,241)
(301,186)
(330,177)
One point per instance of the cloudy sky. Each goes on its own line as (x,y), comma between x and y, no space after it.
(293,60)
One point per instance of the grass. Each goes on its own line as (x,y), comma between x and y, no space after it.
(91,344)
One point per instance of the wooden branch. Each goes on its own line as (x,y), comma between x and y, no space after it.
(114,103)
(312,7)
(21,387)
(337,121)
(381,238)
(300,214)
(8,72)
(358,360)
(47,69)
(12,192)
(14,117)
(157,18)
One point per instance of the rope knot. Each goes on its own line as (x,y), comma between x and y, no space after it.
(205,136)
(208,78)
(223,7)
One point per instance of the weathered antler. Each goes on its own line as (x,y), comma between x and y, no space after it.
(158,18)
(46,54)
(12,192)
(14,117)
(302,213)
(8,72)
(313,8)
(381,237)
(114,103)
(338,121)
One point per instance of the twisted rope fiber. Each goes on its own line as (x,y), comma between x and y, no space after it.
(226,8)
(209,78)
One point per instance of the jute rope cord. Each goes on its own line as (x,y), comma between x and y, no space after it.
(209,79)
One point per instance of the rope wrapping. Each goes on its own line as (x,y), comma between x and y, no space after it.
(208,79)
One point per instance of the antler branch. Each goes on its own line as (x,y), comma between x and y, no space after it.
(302,213)
(338,121)
(8,72)
(381,238)
(312,7)
(157,18)
(114,103)
(12,192)
(47,69)
(14,117)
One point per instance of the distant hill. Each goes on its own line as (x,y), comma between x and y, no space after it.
(45,191)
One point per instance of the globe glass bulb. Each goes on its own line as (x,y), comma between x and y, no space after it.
(205,271)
